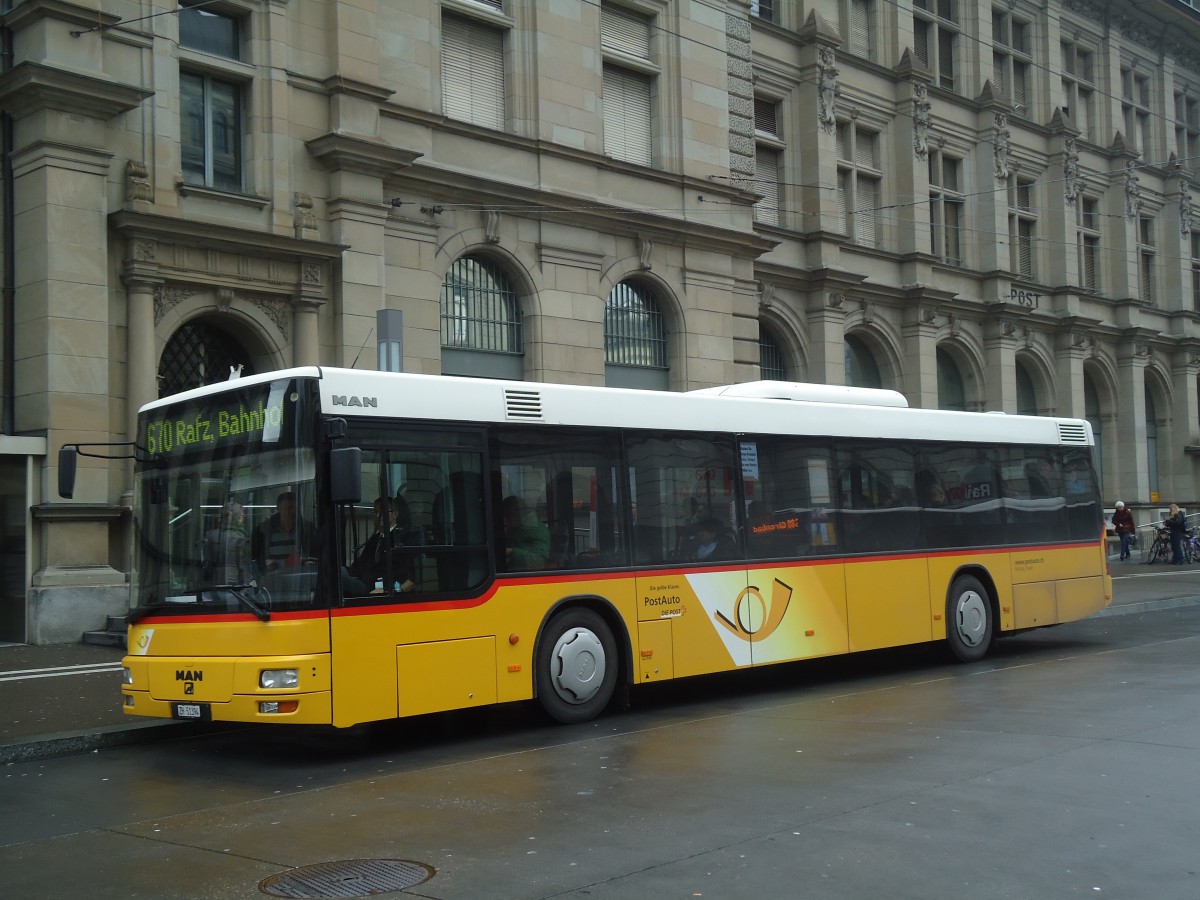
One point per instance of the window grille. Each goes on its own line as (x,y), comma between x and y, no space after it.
(634,331)
(771,366)
(197,355)
(480,309)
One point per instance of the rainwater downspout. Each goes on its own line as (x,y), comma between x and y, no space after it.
(8,284)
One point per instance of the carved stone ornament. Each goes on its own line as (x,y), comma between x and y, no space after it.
(766,297)
(167,297)
(137,181)
(225,297)
(928,316)
(645,248)
(1001,141)
(303,217)
(310,273)
(1133,190)
(835,300)
(827,89)
(1070,170)
(278,310)
(491,226)
(920,120)
(145,251)
(1185,208)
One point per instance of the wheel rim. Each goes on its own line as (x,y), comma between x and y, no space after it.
(971,618)
(577,665)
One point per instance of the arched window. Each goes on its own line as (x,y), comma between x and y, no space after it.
(1151,442)
(771,366)
(199,354)
(861,368)
(951,392)
(635,339)
(1027,404)
(481,321)
(1091,412)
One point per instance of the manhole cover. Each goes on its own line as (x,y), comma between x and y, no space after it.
(347,878)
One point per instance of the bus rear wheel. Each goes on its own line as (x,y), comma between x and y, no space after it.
(969,624)
(576,666)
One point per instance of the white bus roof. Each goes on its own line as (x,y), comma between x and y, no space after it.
(751,408)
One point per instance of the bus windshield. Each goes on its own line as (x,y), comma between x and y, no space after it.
(225,503)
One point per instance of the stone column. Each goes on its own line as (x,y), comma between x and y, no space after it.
(141,357)
(1185,423)
(920,354)
(306,350)
(827,338)
(1000,353)
(1132,463)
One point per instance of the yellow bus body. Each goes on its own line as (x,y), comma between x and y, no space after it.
(375,663)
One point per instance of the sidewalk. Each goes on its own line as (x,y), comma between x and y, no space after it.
(66,698)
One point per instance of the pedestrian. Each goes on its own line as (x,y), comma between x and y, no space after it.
(1176,523)
(1122,521)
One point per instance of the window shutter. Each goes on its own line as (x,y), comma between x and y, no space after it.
(998,79)
(831,12)
(860,27)
(866,224)
(766,182)
(764,117)
(627,131)
(624,31)
(1018,90)
(843,202)
(472,73)
(921,40)
(864,149)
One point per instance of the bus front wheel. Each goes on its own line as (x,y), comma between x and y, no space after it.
(576,666)
(969,623)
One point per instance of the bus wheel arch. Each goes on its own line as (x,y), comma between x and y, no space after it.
(580,658)
(971,615)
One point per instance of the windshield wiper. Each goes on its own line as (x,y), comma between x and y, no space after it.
(239,591)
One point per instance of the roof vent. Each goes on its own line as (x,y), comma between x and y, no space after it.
(1072,433)
(522,405)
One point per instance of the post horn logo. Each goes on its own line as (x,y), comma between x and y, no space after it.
(754,619)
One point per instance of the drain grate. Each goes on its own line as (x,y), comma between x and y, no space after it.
(347,878)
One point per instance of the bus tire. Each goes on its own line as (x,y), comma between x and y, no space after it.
(969,619)
(576,666)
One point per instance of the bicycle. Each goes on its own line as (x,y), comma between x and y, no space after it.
(1160,548)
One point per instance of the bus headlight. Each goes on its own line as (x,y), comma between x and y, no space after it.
(277,679)
(126,675)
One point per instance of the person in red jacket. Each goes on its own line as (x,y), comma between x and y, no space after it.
(1122,520)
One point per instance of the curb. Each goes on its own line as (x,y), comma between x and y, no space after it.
(105,738)
(1125,609)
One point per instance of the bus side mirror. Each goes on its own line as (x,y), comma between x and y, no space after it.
(67,457)
(345,474)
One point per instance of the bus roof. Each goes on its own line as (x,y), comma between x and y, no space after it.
(751,408)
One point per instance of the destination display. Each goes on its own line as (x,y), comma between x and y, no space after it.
(262,414)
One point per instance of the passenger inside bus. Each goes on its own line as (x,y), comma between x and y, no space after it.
(526,539)
(284,540)
(226,549)
(370,569)
(713,541)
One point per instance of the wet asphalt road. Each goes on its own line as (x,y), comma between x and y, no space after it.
(1064,765)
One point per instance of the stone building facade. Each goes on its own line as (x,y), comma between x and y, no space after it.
(984,206)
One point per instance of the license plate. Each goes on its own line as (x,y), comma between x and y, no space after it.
(198,712)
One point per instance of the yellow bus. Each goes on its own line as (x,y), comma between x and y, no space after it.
(328,546)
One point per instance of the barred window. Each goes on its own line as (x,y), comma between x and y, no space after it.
(481,314)
(634,331)
(200,354)
(771,365)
